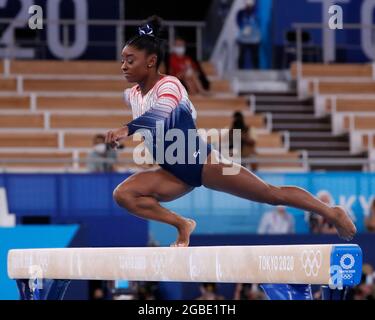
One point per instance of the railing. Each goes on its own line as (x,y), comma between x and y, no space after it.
(304,161)
(120,31)
(327,38)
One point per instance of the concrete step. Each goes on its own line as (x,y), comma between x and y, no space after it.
(319,145)
(283,100)
(285,109)
(281,94)
(255,87)
(300,117)
(317,136)
(261,75)
(300,127)
(335,154)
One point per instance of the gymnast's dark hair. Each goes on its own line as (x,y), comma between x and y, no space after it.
(149,38)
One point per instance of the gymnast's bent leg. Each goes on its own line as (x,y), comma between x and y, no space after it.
(248,186)
(141,193)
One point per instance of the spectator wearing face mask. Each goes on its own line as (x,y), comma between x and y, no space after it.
(277,221)
(249,36)
(102,158)
(187,70)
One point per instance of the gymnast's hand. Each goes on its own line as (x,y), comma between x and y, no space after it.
(113,137)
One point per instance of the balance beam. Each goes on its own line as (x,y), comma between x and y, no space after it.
(287,264)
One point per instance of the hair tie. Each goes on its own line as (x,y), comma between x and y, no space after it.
(146,30)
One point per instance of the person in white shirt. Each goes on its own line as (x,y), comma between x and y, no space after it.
(278,221)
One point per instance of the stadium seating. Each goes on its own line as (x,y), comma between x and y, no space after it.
(54,109)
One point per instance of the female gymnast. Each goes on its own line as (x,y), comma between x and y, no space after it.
(157,97)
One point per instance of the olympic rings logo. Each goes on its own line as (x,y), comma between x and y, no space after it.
(347,276)
(311,262)
(346,265)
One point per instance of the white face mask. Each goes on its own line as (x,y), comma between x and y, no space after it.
(180,51)
(100,148)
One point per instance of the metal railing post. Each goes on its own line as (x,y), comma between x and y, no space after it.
(199,43)
(119,40)
(171,36)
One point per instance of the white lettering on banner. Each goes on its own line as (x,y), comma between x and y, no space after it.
(347,203)
(276,263)
(79,46)
(367,40)
(36,277)
(336,21)
(365,205)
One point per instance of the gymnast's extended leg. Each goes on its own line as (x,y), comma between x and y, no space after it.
(141,193)
(248,186)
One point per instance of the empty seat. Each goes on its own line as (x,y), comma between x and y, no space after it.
(36,159)
(75,85)
(355,105)
(65,67)
(292,156)
(87,103)
(362,87)
(21,121)
(88,121)
(28,140)
(15,103)
(8,85)
(333,70)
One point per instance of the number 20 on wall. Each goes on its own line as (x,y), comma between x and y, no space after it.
(31,16)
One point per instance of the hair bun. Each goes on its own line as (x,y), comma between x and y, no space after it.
(153,24)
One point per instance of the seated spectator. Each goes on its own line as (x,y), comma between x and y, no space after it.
(316,222)
(209,292)
(370,218)
(187,70)
(248,291)
(366,289)
(278,221)
(147,290)
(248,139)
(102,158)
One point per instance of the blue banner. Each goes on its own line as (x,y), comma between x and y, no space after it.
(71,197)
(350,45)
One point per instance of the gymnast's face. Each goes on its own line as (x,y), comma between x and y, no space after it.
(136,64)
